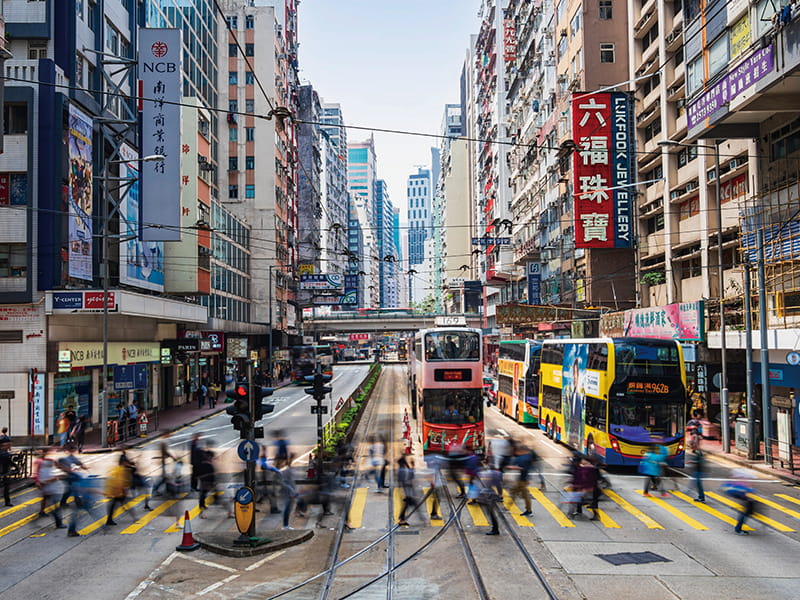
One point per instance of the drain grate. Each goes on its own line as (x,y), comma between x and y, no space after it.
(632,558)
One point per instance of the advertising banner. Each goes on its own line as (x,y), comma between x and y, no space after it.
(602,169)
(80,194)
(684,322)
(534,271)
(141,263)
(509,40)
(322,281)
(160,72)
(37,402)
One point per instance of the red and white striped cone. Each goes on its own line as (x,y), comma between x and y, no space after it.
(405,416)
(409,446)
(188,542)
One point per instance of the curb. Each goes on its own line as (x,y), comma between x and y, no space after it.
(761,468)
(223,544)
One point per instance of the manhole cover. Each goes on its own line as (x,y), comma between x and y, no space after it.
(632,558)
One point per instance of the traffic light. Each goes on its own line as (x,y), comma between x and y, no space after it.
(240,409)
(319,390)
(262,409)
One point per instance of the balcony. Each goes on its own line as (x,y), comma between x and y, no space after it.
(689,230)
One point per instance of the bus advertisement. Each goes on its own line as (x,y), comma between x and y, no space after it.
(518,380)
(616,397)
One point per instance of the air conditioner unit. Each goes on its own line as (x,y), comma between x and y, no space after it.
(736,162)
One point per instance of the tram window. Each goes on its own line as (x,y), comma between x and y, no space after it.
(452,345)
(457,407)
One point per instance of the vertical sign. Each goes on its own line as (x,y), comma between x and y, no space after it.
(160,88)
(4,193)
(141,263)
(534,271)
(602,162)
(509,40)
(80,194)
(37,403)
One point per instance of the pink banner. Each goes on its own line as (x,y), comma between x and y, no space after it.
(684,322)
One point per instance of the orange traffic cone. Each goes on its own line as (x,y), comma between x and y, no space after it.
(188,542)
(409,446)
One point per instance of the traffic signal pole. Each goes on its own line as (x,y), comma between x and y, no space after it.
(318,383)
(250,468)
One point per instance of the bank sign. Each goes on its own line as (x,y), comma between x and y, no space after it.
(603,169)
(321,281)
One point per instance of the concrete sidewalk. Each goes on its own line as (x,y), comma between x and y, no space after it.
(737,458)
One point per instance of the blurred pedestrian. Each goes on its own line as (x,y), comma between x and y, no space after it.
(202,392)
(584,480)
(405,479)
(69,463)
(652,467)
(500,449)
(78,432)
(5,467)
(133,418)
(377,461)
(195,458)
(140,482)
(281,458)
(118,484)
(51,486)
(207,478)
(288,492)
(62,429)
(490,481)
(522,462)
(434,463)
(456,456)
(697,465)
(742,491)
(163,455)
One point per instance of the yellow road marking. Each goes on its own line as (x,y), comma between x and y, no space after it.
(757,516)
(789,498)
(776,506)
(193,514)
(514,511)
(147,517)
(24,521)
(429,505)
(707,509)
(550,507)
(478,518)
(355,517)
(14,509)
(675,512)
(603,517)
(92,527)
(627,506)
(398,503)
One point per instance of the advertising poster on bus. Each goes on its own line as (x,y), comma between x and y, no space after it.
(574,392)
(80,194)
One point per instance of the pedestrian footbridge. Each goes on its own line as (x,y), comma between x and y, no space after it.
(388,320)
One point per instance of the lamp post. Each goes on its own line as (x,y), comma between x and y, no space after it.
(723,387)
(105,236)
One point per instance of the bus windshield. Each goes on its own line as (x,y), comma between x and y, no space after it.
(452,345)
(645,359)
(453,406)
(639,419)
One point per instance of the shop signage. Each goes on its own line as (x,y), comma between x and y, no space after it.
(684,322)
(793,358)
(753,68)
(322,281)
(491,241)
(90,354)
(166,356)
(19,313)
(509,40)
(82,302)
(518,314)
(356,337)
(37,402)
(602,169)
(237,347)
(216,338)
(534,271)
(612,324)
(130,377)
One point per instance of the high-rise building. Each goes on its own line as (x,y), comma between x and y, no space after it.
(419,194)
(362,186)
(333,226)
(387,251)
(309,195)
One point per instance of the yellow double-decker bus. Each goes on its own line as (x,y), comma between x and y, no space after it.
(518,380)
(615,397)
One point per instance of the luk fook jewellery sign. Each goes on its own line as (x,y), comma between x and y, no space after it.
(160,80)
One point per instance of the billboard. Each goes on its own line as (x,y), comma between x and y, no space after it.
(534,272)
(141,263)
(684,322)
(160,80)
(322,281)
(602,127)
(79,147)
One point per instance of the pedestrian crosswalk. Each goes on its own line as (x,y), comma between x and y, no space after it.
(619,509)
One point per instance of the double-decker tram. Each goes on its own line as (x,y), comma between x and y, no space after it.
(447,384)
(305,359)
(616,397)
(518,380)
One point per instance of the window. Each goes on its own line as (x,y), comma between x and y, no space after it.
(694,76)
(233,77)
(233,134)
(249,162)
(233,49)
(606,12)
(233,106)
(718,55)
(607,53)
(233,22)
(250,134)
(249,78)
(575,24)
(652,130)
(250,106)
(690,208)
(15,119)
(233,191)
(233,163)
(37,50)
(250,190)
(112,39)
(249,49)
(91,15)
(79,9)
(13,260)
(249,22)
(687,155)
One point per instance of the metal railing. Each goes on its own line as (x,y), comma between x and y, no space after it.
(784,455)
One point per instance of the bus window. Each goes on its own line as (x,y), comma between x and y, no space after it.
(457,407)
(452,345)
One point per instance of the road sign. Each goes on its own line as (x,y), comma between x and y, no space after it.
(248,451)
(314,409)
(244,509)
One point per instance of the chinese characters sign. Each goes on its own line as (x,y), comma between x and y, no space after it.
(747,73)
(509,40)
(160,75)
(683,322)
(322,281)
(80,194)
(602,169)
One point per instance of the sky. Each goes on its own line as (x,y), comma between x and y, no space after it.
(390,64)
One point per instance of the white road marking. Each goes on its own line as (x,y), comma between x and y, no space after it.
(255,565)
(151,578)
(208,563)
(214,586)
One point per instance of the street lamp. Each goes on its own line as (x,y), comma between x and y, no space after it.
(725,424)
(105,236)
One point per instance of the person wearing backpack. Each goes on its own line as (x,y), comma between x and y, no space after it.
(740,491)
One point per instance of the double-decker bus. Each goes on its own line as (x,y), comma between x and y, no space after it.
(614,396)
(305,359)
(402,350)
(447,384)
(518,380)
